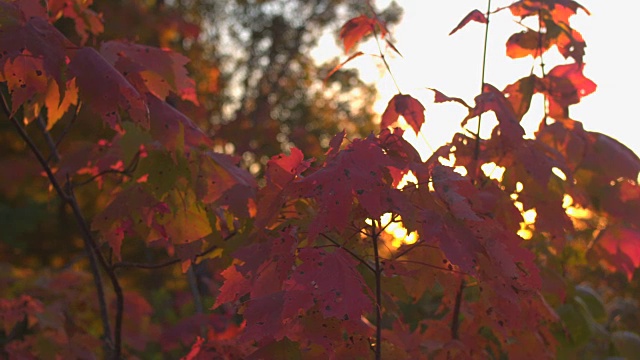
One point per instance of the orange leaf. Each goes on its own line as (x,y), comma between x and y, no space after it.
(357,28)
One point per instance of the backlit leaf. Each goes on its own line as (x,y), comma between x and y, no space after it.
(357,28)
(410,109)
(474,15)
(114,93)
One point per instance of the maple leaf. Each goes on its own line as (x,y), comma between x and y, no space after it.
(263,266)
(494,100)
(195,350)
(57,107)
(13,311)
(357,28)
(479,245)
(131,211)
(360,171)
(282,170)
(85,20)
(519,94)
(25,78)
(105,90)
(410,109)
(339,66)
(159,70)
(565,85)
(560,10)
(474,15)
(619,246)
(332,280)
(528,42)
(439,97)
(34,37)
(187,221)
(172,128)
(217,179)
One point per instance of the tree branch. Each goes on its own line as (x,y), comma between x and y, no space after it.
(127,264)
(70,200)
(377,272)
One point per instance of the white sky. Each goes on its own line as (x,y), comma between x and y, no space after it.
(452,64)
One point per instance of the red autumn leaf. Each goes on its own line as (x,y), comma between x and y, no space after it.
(410,109)
(574,73)
(519,94)
(218,179)
(334,145)
(333,282)
(441,98)
(25,77)
(597,158)
(172,128)
(31,8)
(620,247)
(265,266)
(86,21)
(160,70)
(477,244)
(115,93)
(339,66)
(195,350)
(281,171)
(475,15)
(357,28)
(494,100)
(130,212)
(565,85)
(13,311)
(35,37)
(360,171)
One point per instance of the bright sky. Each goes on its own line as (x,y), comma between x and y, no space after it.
(452,64)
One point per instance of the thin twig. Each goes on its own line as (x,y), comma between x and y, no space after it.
(545,101)
(412,247)
(384,59)
(355,256)
(455,322)
(427,265)
(127,264)
(42,125)
(128,171)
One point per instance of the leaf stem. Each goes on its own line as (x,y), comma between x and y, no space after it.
(476,154)
(544,103)
(384,60)
(377,272)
